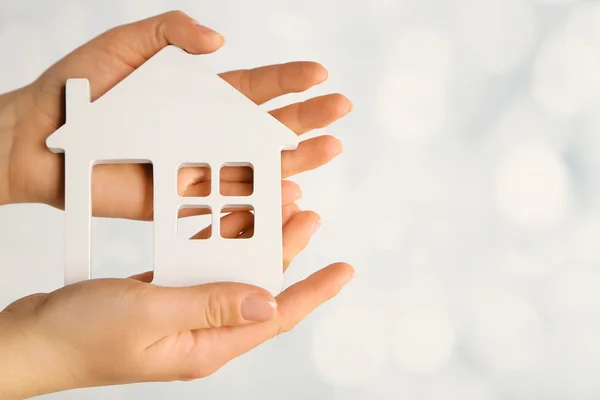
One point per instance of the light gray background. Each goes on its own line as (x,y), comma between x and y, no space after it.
(467,197)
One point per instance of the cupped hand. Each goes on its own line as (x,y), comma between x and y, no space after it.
(119,331)
(29,172)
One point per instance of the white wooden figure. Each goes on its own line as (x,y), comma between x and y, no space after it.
(173,112)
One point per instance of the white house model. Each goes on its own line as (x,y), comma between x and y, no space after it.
(173,112)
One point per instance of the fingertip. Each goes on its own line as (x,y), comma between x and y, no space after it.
(209,32)
(321,73)
(291,208)
(312,72)
(332,146)
(315,227)
(316,217)
(288,211)
(311,216)
(307,222)
(343,272)
(338,104)
(291,191)
(209,40)
(348,271)
(340,149)
(145,277)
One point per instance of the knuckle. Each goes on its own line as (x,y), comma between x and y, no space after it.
(293,209)
(197,364)
(142,297)
(177,14)
(285,327)
(289,322)
(214,312)
(246,80)
(286,323)
(196,372)
(187,373)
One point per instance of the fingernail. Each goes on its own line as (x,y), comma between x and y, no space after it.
(350,108)
(349,278)
(315,227)
(323,75)
(340,150)
(258,308)
(298,194)
(206,30)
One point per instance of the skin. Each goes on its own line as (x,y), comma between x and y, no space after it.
(35,111)
(118,331)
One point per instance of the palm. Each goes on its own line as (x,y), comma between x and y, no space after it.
(125,190)
(172,341)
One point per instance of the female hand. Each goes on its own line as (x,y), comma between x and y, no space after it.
(119,331)
(29,172)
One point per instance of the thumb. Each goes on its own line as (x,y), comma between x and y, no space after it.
(113,55)
(214,305)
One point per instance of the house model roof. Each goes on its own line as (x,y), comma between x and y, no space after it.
(172,103)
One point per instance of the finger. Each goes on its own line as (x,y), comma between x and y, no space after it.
(297,231)
(299,300)
(129,46)
(135,181)
(135,186)
(169,310)
(231,225)
(310,154)
(266,83)
(297,234)
(290,192)
(145,277)
(287,212)
(123,191)
(193,178)
(316,113)
(294,305)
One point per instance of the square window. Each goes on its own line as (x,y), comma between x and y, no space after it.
(194,222)
(194,180)
(236,179)
(237,222)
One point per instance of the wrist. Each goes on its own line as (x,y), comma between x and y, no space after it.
(29,366)
(31,363)
(7,124)
(16,380)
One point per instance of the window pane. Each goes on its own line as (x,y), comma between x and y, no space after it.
(194,222)
(237,224)
(193,180)
(237,179)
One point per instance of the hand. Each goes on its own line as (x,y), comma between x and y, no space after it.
(119,331)
(29,172)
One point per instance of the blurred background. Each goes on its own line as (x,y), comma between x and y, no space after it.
(467,198)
